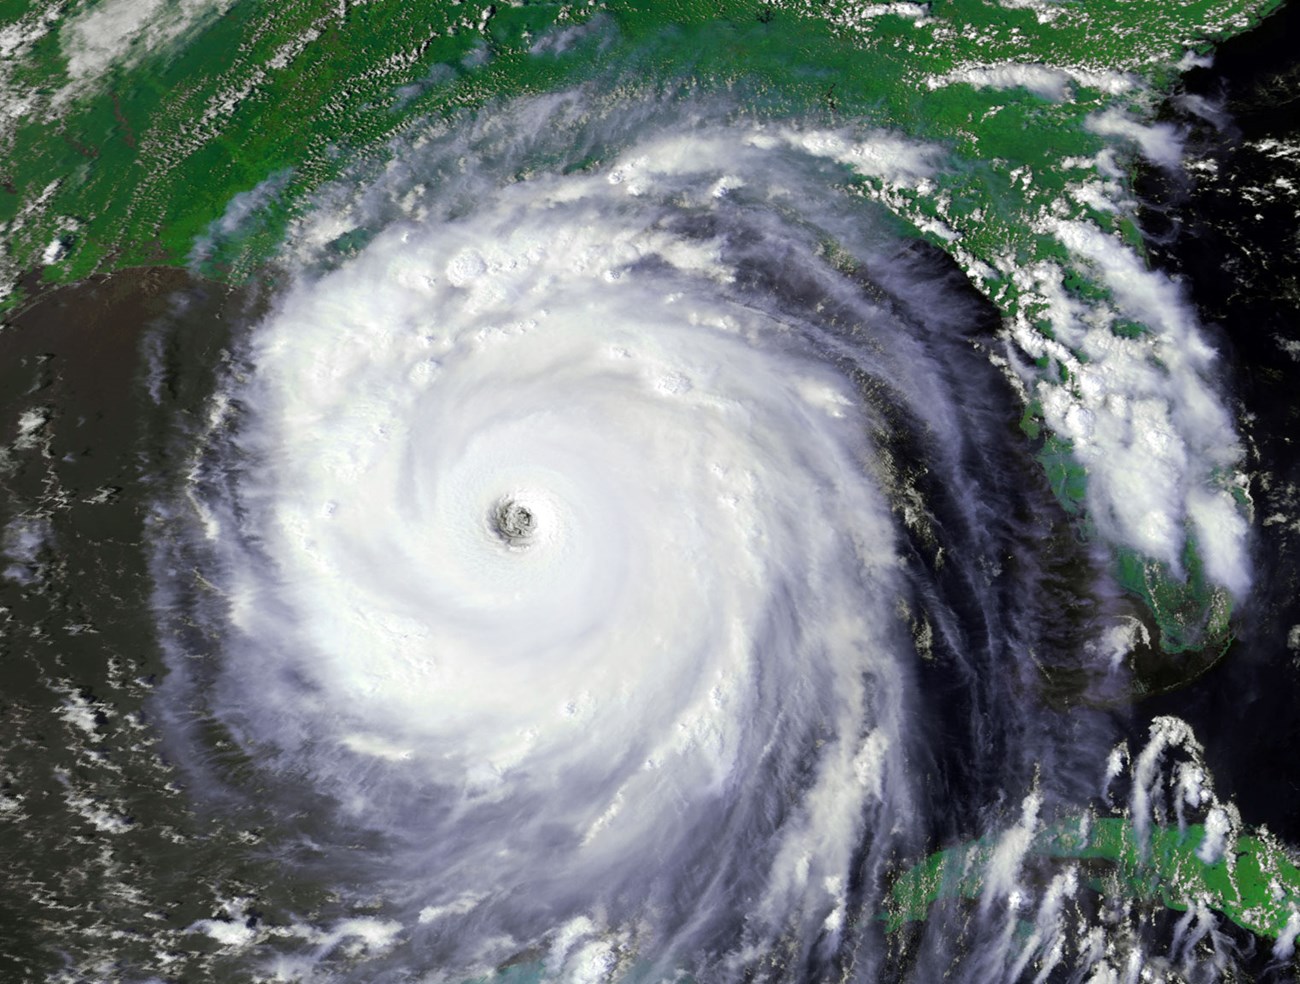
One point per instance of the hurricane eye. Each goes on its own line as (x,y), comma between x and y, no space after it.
(513,522)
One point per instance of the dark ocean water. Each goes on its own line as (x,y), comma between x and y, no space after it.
(1230,227)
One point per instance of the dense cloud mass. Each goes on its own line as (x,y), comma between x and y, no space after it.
(617,524)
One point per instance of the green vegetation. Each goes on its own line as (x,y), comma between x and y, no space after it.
(144,159)
(1254,882)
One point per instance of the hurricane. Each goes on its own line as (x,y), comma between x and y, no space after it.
(617,496)
(563,552)
(604,536)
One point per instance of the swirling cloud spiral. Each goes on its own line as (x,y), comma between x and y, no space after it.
(553,544)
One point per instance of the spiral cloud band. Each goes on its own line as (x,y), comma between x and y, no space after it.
(557,539)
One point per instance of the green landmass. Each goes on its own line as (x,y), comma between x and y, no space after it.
(1253,881)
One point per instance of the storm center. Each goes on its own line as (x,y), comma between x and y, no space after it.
(513,522)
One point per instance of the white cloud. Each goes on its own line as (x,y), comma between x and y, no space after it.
(1143,417)
(1160,143)
(99,36)
(1050,82)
